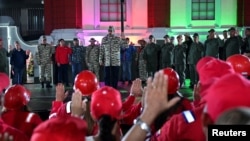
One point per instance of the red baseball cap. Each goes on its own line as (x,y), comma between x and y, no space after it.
(60,129)
(173,80)
(86,81)
(240,63)
(230,91)
(203,61)
(106,101)
(4,81)
(214,68)
(16,97)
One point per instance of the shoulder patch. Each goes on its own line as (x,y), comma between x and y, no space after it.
(188,116)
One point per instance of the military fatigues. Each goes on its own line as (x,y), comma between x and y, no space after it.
(166,55)
(246,45)
(233,46)
(212,47)
(141,64)
(195,54)
(151,56)
(77,59)
(110,56)
(179,60)
(92,59)
(4,60)
(44,56)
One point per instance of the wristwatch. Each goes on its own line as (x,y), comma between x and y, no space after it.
(142,125)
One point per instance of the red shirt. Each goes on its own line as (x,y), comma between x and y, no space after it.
(178,129)
(132,113)
(62,54)
(23,121)
(17,135)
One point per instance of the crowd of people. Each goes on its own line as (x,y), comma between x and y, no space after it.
(155,109)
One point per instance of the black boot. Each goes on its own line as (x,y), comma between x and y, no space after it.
(48,85)
(42,83)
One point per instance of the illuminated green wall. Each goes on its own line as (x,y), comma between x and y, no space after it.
(180,15)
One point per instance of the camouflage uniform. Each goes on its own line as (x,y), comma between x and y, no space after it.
(44,55)
(141,64)
(92,60)
(110,56)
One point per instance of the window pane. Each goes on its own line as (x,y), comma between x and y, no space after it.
(203,15)
(104,8)
(104,1)
(195,15)
(210,15)
(114,1)
(113,8)
(195,7)
(211,1)
(113,16)
(104,17)
(210,7)
(203,7)
(203,1)
(195,0)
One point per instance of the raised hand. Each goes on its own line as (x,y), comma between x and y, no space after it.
(77,104)
(156,97)
(136,87)
(60,92)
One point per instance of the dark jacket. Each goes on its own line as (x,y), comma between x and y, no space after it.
(212,47)
(179,54)
(18,58)
(233,46)
(195,52)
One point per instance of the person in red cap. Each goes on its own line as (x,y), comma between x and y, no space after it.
(60,129)
(106,107)
(182,105)
(183,126)
(82,83)
(6,130)
(190,121)
(155,102)
(15,102)
(221,97)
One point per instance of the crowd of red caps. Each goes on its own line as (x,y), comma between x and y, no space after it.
(222,86)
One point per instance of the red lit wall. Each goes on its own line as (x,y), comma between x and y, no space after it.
(62,14)
(246,5)
(158,13)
